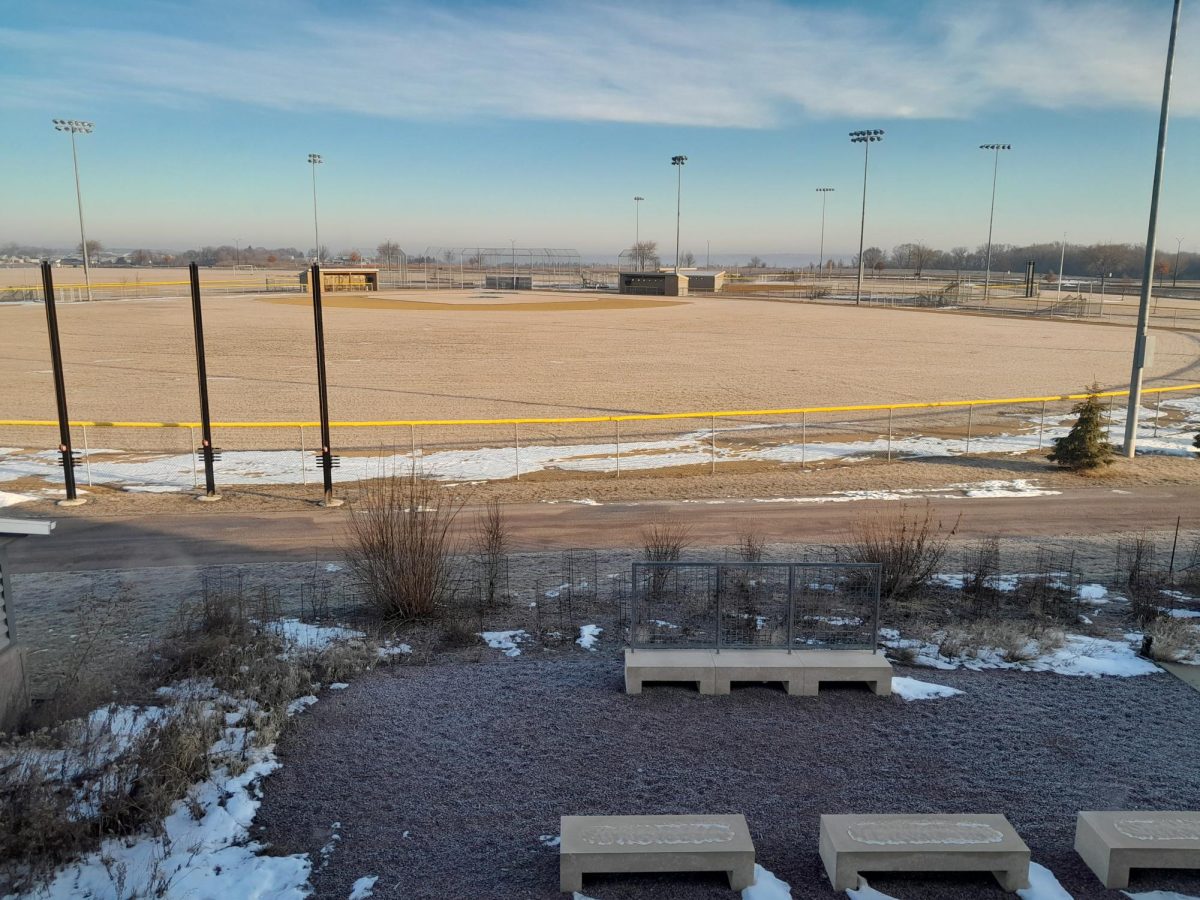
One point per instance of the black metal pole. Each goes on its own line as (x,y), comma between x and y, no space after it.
(206,444)
(322,386)
(60,387)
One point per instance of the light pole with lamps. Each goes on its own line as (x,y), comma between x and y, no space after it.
(824,192)
(1062,262)
(866,138)
(678,161)
(74,127)
(637,230)
(1178,248)
(315,160)
(987,275)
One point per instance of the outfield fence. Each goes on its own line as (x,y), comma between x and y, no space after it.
(163,455)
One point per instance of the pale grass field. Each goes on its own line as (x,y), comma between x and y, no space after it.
(133,360)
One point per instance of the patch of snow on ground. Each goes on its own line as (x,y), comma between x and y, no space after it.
(1043,885)
(1079,655)
(1095,594)
(204,849)
(864,891)
(1182,613)
(767,887)
(363,887)
(505,640)
(550,840)
(303,636)
(338,686)
(7,498)
(910,689)
(589,635)
(332,567)
(300,704)
(393,650)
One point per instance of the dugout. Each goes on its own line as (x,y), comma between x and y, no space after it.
(344,279)
(655,284)
(706,281)
(509,282)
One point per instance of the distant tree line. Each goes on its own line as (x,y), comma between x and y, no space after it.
(1091,260)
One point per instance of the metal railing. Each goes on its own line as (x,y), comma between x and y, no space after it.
(755,605)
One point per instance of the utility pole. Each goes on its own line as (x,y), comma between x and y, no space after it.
(987,277)
(1143,325)
(315,160)
(74,127)
(678,162)
(824,192)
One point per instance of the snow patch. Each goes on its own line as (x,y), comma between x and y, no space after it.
(1079,656)
(7,498)
(306,637)
(1042,885)
(589,635)
(505,640)
(767,887)
(910,689)
(363,888)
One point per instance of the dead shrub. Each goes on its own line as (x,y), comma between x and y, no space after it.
(491,546)
(751,541)
(400,546)
(664,540)
(983,574)
(908,545)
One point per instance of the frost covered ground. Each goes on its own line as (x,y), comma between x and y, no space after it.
(477,743)
(754,443)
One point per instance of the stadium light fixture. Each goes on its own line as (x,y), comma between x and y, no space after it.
(866,138)
(679,162)
(987,275)
(1143,324)
(824,192)
(315,160)
(637,230)
(74,127)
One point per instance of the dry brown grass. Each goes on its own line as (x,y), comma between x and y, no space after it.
(1173,640)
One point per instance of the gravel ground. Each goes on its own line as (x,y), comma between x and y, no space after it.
(443,777)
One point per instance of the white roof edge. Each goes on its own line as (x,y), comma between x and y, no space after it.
(26,526)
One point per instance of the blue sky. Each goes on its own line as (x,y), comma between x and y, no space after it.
(473,123)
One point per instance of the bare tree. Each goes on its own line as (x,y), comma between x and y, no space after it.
(645,255)
(688,259)
(93,247)
(389,253)
(757,262)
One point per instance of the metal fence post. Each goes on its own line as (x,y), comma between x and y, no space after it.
(303,468)
(517,448)
(87,456)
(970,423)
(712,433)
(195,473)
(1110,421)
(618,424)
(791,606)
(875,622)
(889,443)
(1042,425)
(718,599)
(803,442)
(1157,413)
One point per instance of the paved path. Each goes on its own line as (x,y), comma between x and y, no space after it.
(210,536)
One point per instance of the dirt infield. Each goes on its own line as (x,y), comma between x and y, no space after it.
(479,302)
(133,360)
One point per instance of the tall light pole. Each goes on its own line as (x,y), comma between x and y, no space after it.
(987,275)
(1062,262)
(824,192)
(866,138)
(237,253)
(637,230)
(1178,248)
(74,127)
(678,161)
(315,160)
(1143,325)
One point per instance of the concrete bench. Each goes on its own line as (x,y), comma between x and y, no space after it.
(850,845)
(692,666)
(607,844)
(1112,843)
(714,671)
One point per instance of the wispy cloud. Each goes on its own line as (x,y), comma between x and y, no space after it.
(746,65)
